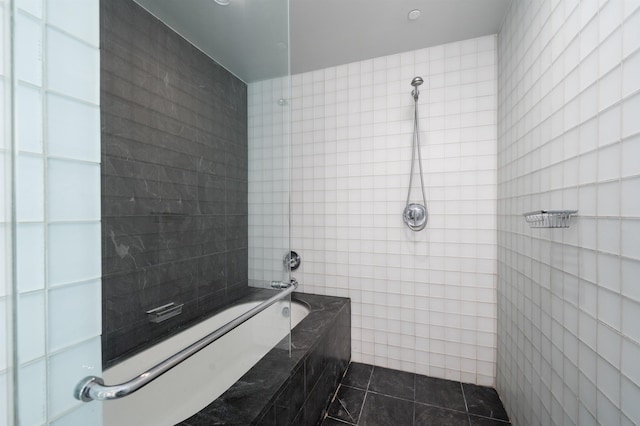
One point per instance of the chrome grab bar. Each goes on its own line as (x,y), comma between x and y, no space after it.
(93,388)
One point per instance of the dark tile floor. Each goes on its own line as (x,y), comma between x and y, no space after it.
(376,396)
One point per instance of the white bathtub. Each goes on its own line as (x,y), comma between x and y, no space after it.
(189,387)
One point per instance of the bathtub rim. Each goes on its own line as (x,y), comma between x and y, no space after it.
(252,294)
(167,350)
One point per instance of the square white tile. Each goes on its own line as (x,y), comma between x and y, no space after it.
(73,129)
(64,329)
(73,190)
(30,256)
(74,252)
(66,368)
(72,67)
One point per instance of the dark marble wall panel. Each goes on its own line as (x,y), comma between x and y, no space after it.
(335,352)
(174,179)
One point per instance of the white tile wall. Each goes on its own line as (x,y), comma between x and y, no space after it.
(268,189)
(4,399)
(28,57)
(422,302)
(58,208)
(32,393)
(64,368)
(73,129)
(29,116)
(78,417)
(76,18)
(568,300)
(83,297)
(31,322)
(73,66)
(6,337)
(30,256)
(29,188)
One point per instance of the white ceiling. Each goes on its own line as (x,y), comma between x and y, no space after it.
(332,32)
(249,37)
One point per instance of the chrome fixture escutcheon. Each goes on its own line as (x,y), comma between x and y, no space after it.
(415,216)
(281,285)
(292,261)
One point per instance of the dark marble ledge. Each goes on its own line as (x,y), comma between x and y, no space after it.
(256,391)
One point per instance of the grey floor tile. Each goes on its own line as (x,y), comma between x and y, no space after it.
(390,396)
(440,392)
(483,421)
(347,404)
(382,410)
(484,401)
(427,415)
(399,384)
(358,375)
(329,421)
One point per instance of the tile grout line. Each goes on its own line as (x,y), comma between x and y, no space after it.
(333,398)
(429,404)
(339,420)
(366,392)
(464,397)
(415,380)
(346,410)
(466,407)
(370,377)
(335,394)
(418,402)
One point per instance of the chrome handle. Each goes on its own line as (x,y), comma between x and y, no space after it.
(283,285)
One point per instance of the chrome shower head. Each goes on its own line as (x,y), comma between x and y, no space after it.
(417,81)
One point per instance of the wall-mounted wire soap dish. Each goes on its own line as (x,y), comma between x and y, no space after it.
(549,218)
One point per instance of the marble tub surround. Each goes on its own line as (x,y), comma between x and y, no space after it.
(371,395)
(290,390)
(174,179)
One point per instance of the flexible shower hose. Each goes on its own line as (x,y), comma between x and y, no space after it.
(416,146)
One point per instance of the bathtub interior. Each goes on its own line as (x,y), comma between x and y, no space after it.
(192,385)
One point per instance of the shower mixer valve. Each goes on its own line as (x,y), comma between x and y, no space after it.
(415,216)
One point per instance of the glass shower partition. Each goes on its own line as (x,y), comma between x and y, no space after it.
(74,233)
(52,58)
(6,222)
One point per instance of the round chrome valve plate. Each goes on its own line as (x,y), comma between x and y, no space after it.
(415,216)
